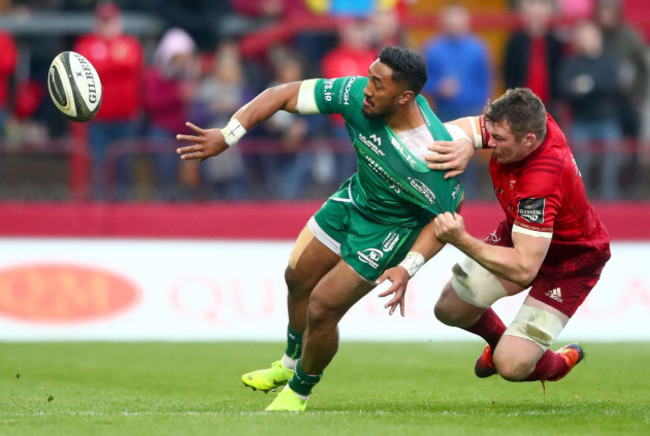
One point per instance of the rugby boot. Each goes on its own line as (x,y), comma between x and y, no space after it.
(484,366)
(268,379)
(287,401)
(572,355)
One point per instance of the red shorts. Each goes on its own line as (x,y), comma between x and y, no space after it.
(565,294)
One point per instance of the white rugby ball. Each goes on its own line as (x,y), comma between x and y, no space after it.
(74,86)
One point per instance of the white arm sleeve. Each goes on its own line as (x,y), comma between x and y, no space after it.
(529,232)
(306,99)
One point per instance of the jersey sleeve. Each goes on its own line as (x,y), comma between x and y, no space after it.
(539,199)
(343,96)
(485,135)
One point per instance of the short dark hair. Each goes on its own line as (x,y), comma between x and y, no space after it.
(522,109)
(407,65)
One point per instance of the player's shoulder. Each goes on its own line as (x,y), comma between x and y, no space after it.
(546,167)
(342,91)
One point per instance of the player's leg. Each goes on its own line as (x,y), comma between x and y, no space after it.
(523,354)
(334,295)
(309,261)
(367,250)
(549,306)
(465,303)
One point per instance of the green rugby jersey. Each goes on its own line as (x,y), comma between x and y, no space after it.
(391,185)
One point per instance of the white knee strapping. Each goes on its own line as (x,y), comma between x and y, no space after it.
(537,325)
(476,285)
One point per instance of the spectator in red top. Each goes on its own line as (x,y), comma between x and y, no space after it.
(118,59)
(8,62)
(350,57)
(533,53)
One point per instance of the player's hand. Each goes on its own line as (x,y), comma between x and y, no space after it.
(450,156)
(449,227)
(204,144)
(399,278)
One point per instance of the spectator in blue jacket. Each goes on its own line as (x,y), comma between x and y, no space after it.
(459,67)
(460,79)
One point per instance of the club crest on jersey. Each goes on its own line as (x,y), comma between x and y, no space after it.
(532,209)
(371,256)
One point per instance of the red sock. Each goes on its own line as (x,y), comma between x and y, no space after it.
(489,326)
(551,366)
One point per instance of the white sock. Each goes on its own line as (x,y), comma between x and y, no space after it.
(289,363)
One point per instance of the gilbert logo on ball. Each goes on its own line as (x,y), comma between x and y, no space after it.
(74,86)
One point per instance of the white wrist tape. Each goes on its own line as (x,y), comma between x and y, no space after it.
(478,139)
(412,262)
(457,132)
(233,132)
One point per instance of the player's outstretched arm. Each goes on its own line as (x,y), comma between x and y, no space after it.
(205,143)
(518,264)
(453,156)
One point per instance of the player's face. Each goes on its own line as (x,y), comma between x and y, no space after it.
(506,148)
(381,93)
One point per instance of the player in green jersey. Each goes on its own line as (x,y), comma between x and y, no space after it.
(381,217)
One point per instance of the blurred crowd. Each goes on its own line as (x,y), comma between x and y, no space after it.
(587,64)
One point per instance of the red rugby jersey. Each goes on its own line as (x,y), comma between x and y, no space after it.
(544,196)
(119,63)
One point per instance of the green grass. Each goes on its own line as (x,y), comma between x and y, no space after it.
(370,389)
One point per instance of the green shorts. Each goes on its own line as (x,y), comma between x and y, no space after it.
(367,246)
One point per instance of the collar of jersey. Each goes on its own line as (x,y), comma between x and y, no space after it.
(407,156)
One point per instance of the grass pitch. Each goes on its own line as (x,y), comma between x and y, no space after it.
(369,389)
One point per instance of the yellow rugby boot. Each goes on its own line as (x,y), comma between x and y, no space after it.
(287,401)
(268,379)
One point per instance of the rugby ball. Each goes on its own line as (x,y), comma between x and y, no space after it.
(74,86)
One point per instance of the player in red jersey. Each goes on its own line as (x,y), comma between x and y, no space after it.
(551,241)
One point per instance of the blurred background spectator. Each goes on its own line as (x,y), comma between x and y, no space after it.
(385,29)
(118,59)
(589,81)
(459,75)
(8,61)
(624,44)
(289,169)
(204,20)
(351,57)
(169,87)
(459,67)
(533,53)
(224,90)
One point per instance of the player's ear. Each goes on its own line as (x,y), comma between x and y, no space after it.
(406,96)
(530,139)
